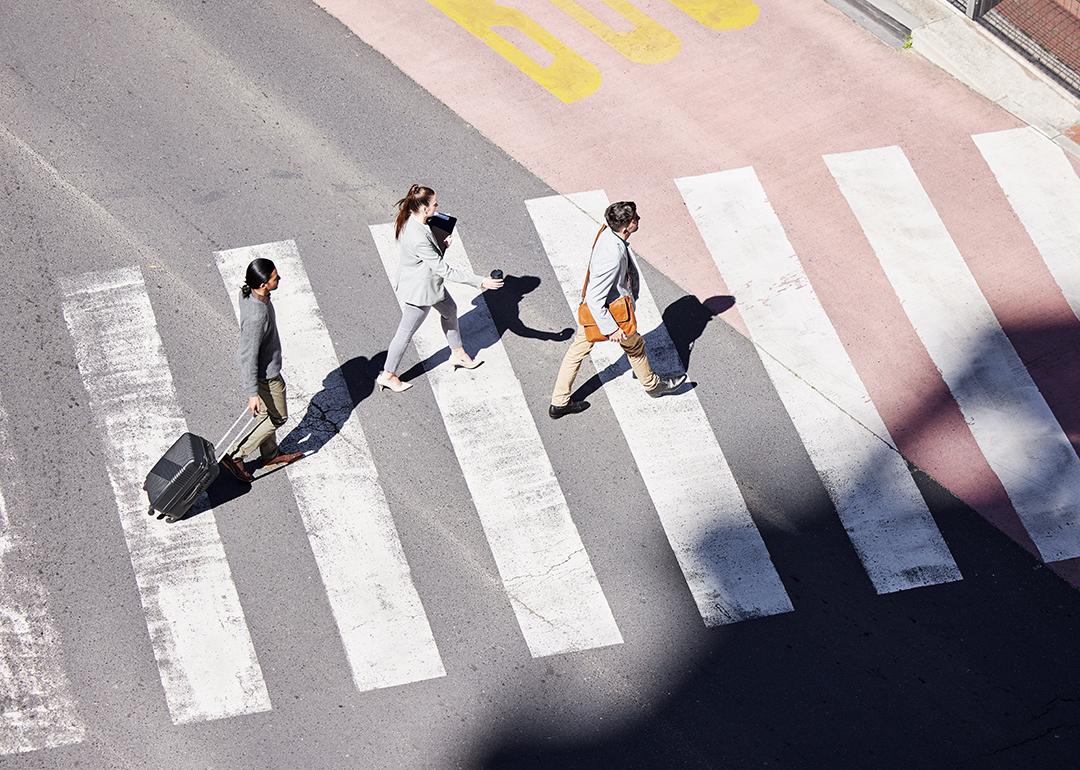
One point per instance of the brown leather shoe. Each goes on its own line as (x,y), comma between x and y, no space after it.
(283,459)
(236,468)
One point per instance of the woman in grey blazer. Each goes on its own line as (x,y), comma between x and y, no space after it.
(422,270)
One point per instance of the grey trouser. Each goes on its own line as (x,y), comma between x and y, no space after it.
(273,415)
(411,318)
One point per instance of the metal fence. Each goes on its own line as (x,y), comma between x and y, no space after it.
(974,8)
(978,8)
(1046,32)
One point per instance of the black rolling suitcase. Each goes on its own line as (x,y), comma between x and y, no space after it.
(184,472)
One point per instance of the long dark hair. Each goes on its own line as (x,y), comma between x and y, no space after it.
(258,272)
(417,196)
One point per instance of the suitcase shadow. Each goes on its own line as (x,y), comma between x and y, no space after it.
(324,415)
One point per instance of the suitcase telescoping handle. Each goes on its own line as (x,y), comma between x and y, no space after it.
(221,447)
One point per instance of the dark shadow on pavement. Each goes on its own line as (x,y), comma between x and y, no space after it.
(325,414)
(975,673)
(493,314)
(505,307)
(685,320)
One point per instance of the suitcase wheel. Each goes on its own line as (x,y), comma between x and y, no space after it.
(160,516)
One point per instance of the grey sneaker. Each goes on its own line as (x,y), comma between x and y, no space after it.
(668,385)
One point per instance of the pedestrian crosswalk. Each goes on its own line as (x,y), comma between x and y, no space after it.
(875,497)
(197,630)
(350,527)
(1008,416)
(543,564)
(720,551)
(196,625)
(1045,193)
(39,709)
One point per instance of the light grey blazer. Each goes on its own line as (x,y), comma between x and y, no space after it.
(613,273)
(422,269)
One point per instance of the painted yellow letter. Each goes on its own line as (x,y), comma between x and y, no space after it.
(646,43)
(569,76)
(721,14)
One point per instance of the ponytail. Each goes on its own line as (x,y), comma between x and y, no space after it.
(258,272)
(417,196)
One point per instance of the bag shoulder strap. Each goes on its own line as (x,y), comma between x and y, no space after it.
(585,285)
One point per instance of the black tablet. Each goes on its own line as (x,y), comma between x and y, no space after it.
(441,224)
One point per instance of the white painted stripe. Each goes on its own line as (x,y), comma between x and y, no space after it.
(720,551)
(378,611)
(1009,419)
(8,463)
(204,653)
(545,569)
(1044,191)
(868,481)
(39,709)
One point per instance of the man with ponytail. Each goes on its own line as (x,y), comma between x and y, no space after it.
(260,372)
(422,271)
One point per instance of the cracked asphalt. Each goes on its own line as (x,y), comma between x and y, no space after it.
(151,132)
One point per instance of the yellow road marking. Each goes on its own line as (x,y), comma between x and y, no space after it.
(569,76)
(720,14)
(647,43)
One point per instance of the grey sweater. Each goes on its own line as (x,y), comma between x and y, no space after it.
(260,348)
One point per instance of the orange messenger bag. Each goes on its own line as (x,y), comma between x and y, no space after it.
(622,309)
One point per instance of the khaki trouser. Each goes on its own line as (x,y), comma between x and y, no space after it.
(633,346)
(273,413)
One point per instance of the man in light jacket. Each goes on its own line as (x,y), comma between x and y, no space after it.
(612,274)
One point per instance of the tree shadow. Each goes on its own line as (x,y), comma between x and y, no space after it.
(323,417)
(975,673)
(668,345)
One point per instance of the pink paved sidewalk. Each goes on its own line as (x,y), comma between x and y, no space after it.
(800,82)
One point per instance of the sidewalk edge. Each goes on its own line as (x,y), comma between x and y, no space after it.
(980,60)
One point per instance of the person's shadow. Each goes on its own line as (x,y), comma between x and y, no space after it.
(326,413)
(501,309)
(684,321)
(505,307)
(497,313)
(687,318)
(353,381)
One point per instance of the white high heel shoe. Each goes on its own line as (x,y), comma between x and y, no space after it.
(459,363)
(385,382)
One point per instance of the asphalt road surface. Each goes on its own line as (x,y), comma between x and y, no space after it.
(151,134)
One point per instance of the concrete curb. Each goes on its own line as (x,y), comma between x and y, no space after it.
(885,26)
(973,55)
